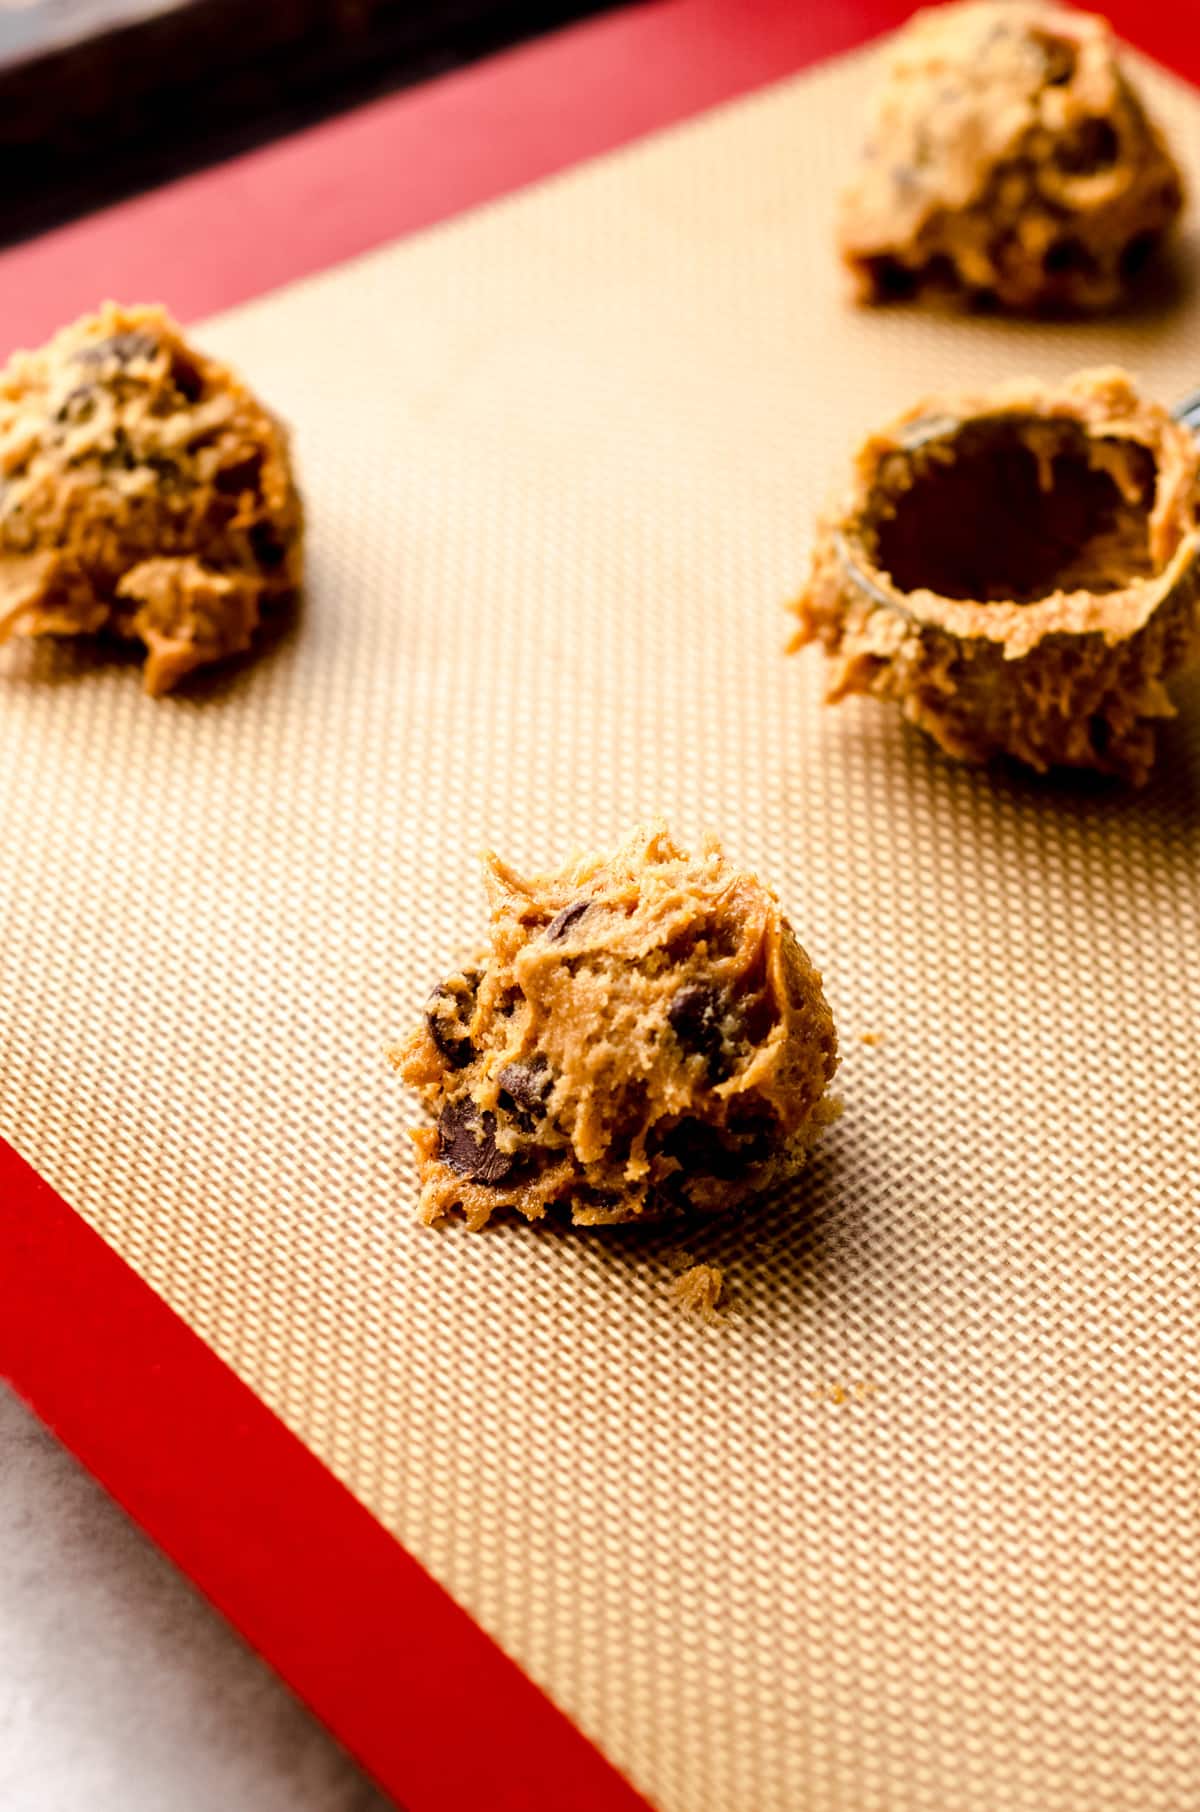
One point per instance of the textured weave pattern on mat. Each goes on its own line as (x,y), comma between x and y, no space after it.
(917,1527)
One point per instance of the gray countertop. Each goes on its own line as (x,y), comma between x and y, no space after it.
(121,1689)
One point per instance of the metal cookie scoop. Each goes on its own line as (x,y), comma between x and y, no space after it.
(942,427)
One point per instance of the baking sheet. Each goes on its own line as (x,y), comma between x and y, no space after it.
(916,1525)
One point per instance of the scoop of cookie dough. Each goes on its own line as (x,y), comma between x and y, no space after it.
(1019,570)
(1009,160)
(642,1036)
(144,492)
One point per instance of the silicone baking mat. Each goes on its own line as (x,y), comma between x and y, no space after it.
(916,1525)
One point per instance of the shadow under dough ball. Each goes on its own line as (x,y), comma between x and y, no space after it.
(144,493)
(1008,160)
(1019,571)
(642,1037)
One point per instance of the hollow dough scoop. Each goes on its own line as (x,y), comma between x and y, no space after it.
(1023,579)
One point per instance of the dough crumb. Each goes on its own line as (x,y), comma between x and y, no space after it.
(839,1394)
(871,1038)
(700,1290)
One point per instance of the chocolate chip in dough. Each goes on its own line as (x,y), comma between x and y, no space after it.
(1137,253)
(79,405)
(694,1016)
(1065,255)
(444,1014)
(267,545)
(566,920)
(529,1085)
(1059,60)
(124,348)
(120,457)
(703,1150)
(243,475)
(892,280)
(467,1143)
(1091,147)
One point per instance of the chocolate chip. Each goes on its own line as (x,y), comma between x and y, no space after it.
(122,348)
(167,470)
(78,406)
(699,1150)
(187,379)
(891,280)
(120,456)
(1136,255)
(1058,61)
(1066,257)
(446,1011)
(1100,734)
(566,920)
(467,1143)
(529,1085)
(267,545)
(1093,145)
(123,457)
(703,1150)
(243,475)
(695,1015)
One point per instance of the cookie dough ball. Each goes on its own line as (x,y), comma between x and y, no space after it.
(1008,160)
(642,1036)
(144,492)
(1019,571)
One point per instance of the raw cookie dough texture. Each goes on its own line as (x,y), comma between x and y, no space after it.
(644,1036)
(1008,160)
(1019,571)
(144,492)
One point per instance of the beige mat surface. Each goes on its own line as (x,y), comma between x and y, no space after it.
(918,1526)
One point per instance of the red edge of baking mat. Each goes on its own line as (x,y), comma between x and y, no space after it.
(434,1708)
(305,202)
(317,1585)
